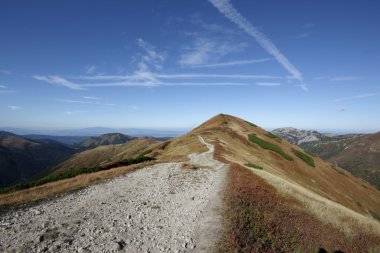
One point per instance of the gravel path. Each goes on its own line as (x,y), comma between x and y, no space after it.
(160,208)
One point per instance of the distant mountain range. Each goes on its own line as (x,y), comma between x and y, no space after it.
(96,131)
(102,140)
(356,153)
(67,140)
(273,189)
(104,154)
(22,159)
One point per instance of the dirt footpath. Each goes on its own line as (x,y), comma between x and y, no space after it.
(161,208)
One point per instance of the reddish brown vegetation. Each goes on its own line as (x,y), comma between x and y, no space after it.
(259,220)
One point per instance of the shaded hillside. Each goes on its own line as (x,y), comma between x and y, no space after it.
(102,140)
(67,140)
(362,158)
(357,153)
(322,145)
(22,159)
(106,154)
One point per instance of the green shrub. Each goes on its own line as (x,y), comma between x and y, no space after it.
(306,158)
(254,166)
(275,137)
(270,146)
(145,153)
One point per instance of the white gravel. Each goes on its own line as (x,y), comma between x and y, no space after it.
(161,208)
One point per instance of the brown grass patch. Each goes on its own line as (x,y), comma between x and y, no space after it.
(189,166)
(63,186)
(257,219)
(327,211)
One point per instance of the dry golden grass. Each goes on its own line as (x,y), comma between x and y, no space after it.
(231,133)
(106,154)
(258,219)
(178,149)
(55,188)
(339,216)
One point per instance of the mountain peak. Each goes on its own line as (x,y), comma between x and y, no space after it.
(224,120)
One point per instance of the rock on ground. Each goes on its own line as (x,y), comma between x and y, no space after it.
(160,208)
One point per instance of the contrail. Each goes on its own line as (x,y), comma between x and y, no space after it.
(225,7)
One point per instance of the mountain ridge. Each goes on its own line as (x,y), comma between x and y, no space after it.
(102,140)
(352,152)
(277,197)
(22,159)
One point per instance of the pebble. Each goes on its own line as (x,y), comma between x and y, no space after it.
(117,215)
(84,250)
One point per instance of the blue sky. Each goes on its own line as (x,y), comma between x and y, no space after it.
(174,64)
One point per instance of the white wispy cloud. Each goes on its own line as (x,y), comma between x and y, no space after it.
(268,84)
(58,80)
(338,78)
(225,7)
(14,107)
(91,98)
(321,78)
(150,57)
(206,50)
(156,76)
(366,95)
(230,76)
(344,78)
(91,69)
(205,84)
(6,72)
(73,101)
(5,89)
(161,84)
(232,63)
(151,79)
(75,112)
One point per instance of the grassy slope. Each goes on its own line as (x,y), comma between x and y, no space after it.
(259,220)
(230,135)
(106,154)
(362,158)
(324,180)
(103,140)
(86,161)
(23,160)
